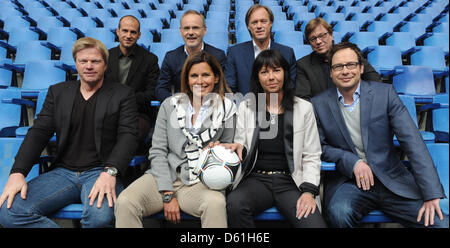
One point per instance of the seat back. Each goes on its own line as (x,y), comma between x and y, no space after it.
(415,80)
(42,74)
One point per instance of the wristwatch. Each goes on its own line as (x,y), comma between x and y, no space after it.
(111,171)
(167,197)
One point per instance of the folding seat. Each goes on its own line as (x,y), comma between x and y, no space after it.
(288,37)
(416,28)
(217,24)
(160,50)
(381,28)
(44,24)
(283,25)
(430,56)
(66,15)
(19,35)
(441,28)
(296,9)
(40,75)
(81,24)
(301,19)
(175,23)
(8,150)
(405,12)
(66,57)
(427,19)
(242,35)
(221,15)
(10,113)
(333,18)
(438,40)
(37,13)
(394,19)
(152,24)
(58,35)
(103,34)
(31,51)
(320,11)
(22,131)
(217,39)
(409,102)
(364,40)
(171,35)
(11,23)
(440,123)
(346,28)
(405,41)
(364,19)
(385,59)
(5,73)
(111,23)
(301,51)
(440,154)
(161,14)
(417,81)
(147,38)
(99,14)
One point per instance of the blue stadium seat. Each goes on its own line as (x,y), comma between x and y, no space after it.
(288,38)
(8,150)
(9,112)
(31,50)
(5,73)
(346,28)
(381,28)
(439,40)
(385,59)
(366,41)
(160,50)
(440,124)
(403,40)
(171,35)
(416,28)
(40,75)
(417,81)
(242,35)
(430,56)
(22,131)
(301,50)
(103,34)
(217,39)
(440,153)
(59,35)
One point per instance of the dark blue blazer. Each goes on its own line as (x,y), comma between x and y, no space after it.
(382,115)
(240,58)
(172,65)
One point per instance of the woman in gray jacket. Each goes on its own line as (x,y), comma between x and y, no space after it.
(186,124)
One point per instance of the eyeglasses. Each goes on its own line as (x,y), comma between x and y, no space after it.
(340,67)
(194,28)
(320,36)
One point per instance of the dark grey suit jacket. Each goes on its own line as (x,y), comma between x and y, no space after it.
(382,115)
(116,126)
(142,77)
(311,80)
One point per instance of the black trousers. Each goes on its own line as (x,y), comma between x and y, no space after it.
(258,192)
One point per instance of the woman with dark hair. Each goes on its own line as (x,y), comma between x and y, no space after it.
(281,165)
(186,123)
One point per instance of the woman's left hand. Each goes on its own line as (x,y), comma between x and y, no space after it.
(305,205)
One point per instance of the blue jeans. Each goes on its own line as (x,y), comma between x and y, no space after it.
(51,191)
(349,205)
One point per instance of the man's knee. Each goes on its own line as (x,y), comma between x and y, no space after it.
(341,214)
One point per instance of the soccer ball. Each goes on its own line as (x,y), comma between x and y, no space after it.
(218,167)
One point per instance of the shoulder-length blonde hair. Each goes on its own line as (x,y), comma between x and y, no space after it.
(220,88)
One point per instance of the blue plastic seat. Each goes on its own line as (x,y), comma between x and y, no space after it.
(417,81)
(242,35)
(301,50)
(381,28)
(218,39)
(430,56)
(439,40)
(289,38)
(154,25)
(365,40)
(409,102)
(171,35)
(415,28)
(5,74)
(440,154)
(40,75)
(59,35)
(19,35)
(403,40)
(8,150)
(283,25)
(11,23)
(22,131)
(31,51)
(385,59)
(103,34)
(82,24)
(301,19)
(9,112)
(346,28)
(160,50)
(47,22)
(440,124)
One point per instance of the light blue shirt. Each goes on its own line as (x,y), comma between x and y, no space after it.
(356,96)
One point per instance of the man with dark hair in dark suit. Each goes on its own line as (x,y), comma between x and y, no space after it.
(313,71)
(134,66)
(192,29)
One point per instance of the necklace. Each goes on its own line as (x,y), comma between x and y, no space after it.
(273,117)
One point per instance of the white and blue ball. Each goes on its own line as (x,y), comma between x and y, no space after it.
(218,167)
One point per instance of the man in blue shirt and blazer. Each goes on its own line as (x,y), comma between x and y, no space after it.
(192,29)
(240,57)
(356,123)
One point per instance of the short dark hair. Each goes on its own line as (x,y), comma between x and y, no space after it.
(273,58)
(345,45)
(133,17)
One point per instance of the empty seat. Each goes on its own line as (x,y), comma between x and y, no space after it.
(440,124)
(439,40)
(417,81)
(31,51)
(289,38)
(40,75)
(9,112)
(385,59)
(403,40)
(364,40)
(430,56)
(160,50)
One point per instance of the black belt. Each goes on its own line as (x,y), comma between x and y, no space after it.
(273,172)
